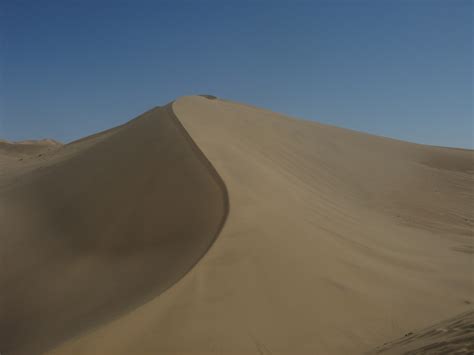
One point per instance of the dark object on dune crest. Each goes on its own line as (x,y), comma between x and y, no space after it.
(210,97)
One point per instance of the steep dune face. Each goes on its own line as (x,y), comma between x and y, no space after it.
(100,225)
(336,242)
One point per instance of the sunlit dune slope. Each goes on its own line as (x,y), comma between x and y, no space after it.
(336,242)
(452,336)
(91,229)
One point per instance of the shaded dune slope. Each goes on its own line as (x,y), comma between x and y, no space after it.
(98,226)
(336,242)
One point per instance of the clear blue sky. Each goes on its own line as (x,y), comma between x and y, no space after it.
(397,68)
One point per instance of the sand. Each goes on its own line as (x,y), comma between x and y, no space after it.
(452,336)
(99,227)
(335,242)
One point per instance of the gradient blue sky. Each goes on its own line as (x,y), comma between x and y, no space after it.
(396,68)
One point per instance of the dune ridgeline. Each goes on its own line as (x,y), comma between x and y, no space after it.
(211,227)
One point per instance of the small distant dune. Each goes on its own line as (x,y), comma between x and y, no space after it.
(211,227)
(28,146)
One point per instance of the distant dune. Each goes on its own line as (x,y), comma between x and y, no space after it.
(211,227)
(26,147)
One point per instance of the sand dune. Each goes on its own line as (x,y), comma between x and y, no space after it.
(335,242)
(96,231)
(28,146)
(12,152)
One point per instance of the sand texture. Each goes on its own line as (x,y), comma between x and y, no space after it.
(212,227)
(452,336)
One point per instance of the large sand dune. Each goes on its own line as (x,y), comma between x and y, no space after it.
(336,241)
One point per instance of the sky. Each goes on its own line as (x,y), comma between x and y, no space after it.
(396,68)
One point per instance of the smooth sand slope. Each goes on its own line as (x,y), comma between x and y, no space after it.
(99,226)
(336,241)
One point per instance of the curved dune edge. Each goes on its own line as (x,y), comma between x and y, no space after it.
(208,164)
(114,220)
(337,241)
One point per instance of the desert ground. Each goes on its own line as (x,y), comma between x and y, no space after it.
(212,227)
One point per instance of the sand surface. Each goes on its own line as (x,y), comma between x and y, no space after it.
(336,241)
(452,336)
(97,227)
